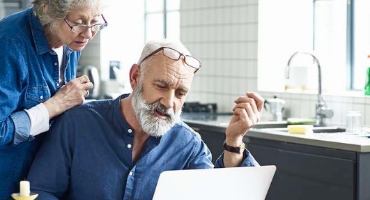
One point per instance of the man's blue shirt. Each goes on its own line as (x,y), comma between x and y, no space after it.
(29,75)
(88,155)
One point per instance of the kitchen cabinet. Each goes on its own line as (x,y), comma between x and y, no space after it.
(310,168)
(214,141)
(307,172)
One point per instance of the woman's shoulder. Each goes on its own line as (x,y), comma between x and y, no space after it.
(14,25)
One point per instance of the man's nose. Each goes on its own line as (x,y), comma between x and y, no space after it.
(168,100)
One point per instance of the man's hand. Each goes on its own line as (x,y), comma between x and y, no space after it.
(246,113)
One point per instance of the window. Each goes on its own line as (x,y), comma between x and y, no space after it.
(162,19)
(337,31)
(361,42)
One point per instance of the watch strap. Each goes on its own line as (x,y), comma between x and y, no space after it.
(238,149)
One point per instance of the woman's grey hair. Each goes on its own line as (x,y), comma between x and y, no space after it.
(57,10)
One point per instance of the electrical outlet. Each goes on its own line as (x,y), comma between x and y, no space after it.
(113,64)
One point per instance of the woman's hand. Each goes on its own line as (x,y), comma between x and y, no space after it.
(69,95)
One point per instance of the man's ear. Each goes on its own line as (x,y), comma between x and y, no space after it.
(134,75)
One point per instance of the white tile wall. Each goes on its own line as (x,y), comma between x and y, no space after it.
(223,34)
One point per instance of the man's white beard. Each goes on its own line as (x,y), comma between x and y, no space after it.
(145,114)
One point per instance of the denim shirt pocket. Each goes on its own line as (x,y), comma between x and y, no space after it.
(37,94)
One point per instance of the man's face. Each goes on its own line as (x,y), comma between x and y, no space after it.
(160,93)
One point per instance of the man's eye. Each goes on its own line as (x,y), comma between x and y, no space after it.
(161,86)
(180,94)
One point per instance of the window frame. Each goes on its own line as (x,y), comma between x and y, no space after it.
(165,12)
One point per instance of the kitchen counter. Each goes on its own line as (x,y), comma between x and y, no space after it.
(342,141)
(334,165)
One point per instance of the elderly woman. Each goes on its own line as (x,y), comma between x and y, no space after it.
(40,49)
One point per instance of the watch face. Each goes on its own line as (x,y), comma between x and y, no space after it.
(242,147)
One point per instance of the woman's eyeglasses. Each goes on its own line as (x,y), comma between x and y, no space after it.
(176,55)
(79,28)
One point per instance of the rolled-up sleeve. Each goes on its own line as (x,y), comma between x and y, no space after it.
(22,126)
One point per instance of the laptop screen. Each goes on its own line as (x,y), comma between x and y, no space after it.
(220,183)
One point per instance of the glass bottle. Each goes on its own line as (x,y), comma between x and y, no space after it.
(367,84)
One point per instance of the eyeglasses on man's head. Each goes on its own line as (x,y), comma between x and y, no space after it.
(176,55)
(79,28)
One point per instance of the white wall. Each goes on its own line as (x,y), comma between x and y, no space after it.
(122,40)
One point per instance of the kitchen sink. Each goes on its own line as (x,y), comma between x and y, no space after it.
(270,124)
(328,130)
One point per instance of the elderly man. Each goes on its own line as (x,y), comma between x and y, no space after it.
(116,149)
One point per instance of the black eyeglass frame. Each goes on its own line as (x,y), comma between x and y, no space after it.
(101,26)
(181,54)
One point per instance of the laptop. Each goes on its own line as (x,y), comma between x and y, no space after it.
(220,183)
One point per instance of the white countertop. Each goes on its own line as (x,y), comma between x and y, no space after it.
(343,141)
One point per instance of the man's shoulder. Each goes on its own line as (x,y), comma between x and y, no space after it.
(92,105)
(186,130)
(86,112)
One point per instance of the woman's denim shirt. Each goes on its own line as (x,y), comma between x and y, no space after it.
(29,75)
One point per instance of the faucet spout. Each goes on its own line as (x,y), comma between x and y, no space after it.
(322,111)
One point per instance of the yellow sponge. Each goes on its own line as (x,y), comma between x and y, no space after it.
(300,129)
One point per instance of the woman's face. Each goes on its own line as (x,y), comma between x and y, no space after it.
(77,40)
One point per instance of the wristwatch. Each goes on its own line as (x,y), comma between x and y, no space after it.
(238,149)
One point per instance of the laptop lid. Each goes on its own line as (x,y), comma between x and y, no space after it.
(220,183)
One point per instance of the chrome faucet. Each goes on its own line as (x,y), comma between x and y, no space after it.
(322,111)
